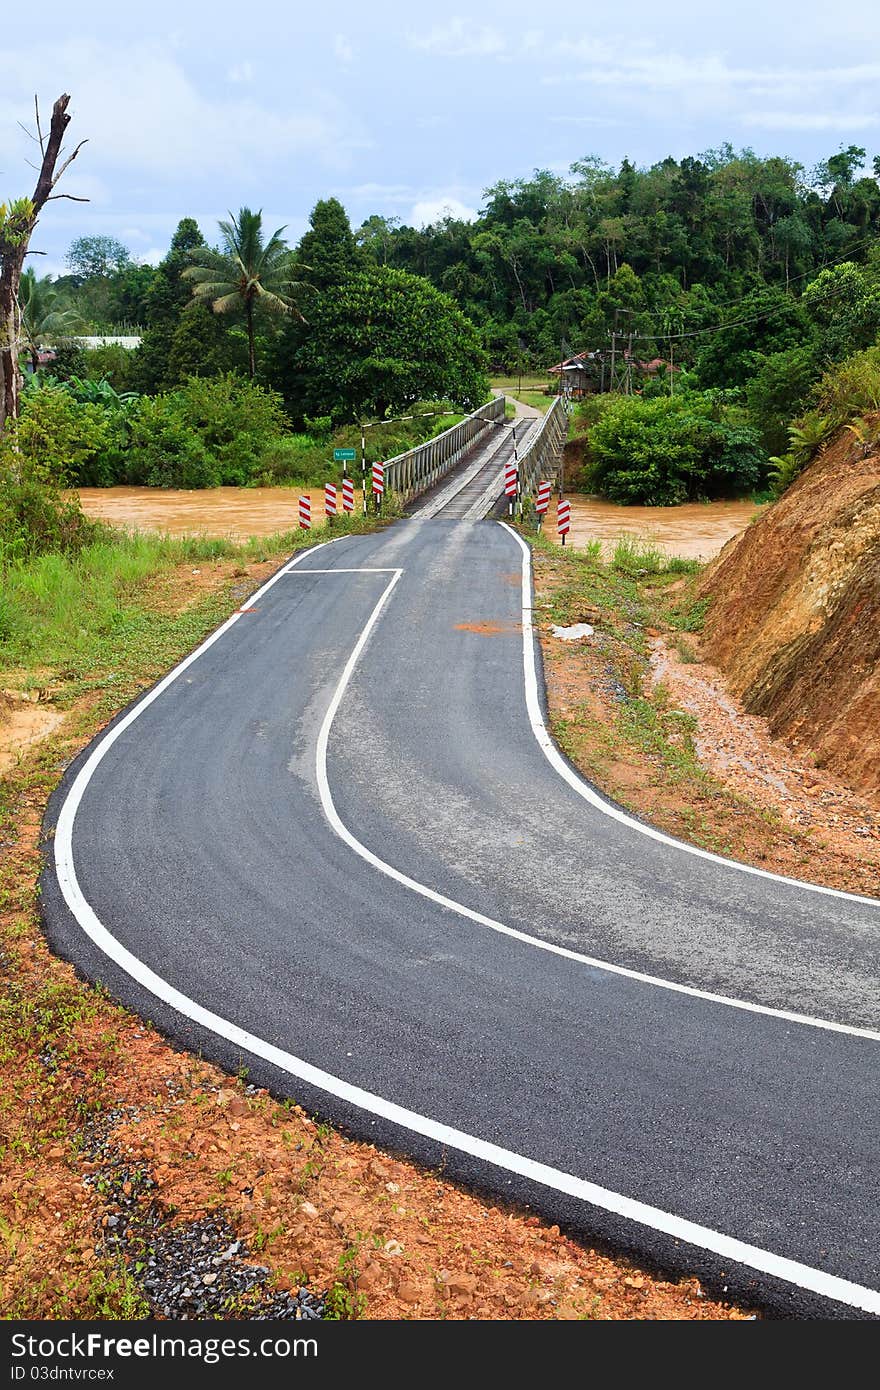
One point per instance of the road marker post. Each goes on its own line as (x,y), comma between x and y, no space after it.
(378,484)
(563,518)
(348,495)
(511,484)
(542,501)
(329,502)
(305,513)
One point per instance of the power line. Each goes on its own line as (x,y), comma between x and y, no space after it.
(732,303)
(723,327)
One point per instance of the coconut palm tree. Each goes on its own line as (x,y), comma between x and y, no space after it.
(246,273)
(44,318)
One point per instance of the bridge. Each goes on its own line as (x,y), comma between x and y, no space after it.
(459,475)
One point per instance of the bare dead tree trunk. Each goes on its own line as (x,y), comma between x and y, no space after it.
(15,235)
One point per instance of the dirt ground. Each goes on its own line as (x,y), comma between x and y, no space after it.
(794,614)
(120,1155)
(665,737)
(740,751)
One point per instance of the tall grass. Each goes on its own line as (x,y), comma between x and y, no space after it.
(80,611)
(634,556)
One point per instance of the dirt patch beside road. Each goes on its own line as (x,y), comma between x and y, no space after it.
(657,731)
(793,616)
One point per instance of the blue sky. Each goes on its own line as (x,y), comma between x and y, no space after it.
(192,109)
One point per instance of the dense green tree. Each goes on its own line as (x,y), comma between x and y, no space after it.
(45,317)
(246,275)
(167,298)
(844,303)
(779,390)
(328,251)
(202,346)
(764,321)
(91,256)
(375,344)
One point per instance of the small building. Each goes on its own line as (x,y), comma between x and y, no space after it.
(590,372)
(581,375)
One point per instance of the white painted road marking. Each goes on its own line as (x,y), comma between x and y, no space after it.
(567,772)
(728,1248)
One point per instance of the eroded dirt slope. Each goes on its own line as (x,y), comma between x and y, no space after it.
(794,613)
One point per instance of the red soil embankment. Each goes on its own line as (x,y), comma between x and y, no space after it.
(794,617)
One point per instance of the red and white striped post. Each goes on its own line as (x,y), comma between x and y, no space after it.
(511,482)
(305,513)
(378,484)
(348,495)
(329,502)
(542,501)
(563,518)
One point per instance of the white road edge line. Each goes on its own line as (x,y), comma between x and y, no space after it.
(778,1267)
(583,788)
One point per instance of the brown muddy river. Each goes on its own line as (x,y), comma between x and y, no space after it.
(694,531)
(697,530)
(235,512)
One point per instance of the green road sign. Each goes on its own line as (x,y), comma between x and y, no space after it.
(344,455)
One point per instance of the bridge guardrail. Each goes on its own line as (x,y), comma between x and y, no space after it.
(540,458)
(412,473)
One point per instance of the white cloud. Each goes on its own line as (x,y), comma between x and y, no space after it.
(617,64)
(810,120)
(143,113)
(151,257)
(400,193)
(343,49)
(430,210)
(241,72)
(461,38)
(601,121)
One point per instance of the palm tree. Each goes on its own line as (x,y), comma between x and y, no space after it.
(246,272)
(43,317)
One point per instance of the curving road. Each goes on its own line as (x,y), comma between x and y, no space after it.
(337,844)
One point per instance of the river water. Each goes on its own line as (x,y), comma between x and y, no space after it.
(696,530)
(234,512)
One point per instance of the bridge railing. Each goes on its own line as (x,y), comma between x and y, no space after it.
(412,473)
(540,458)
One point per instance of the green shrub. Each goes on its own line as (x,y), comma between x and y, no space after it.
(113,363)
(213,431)
(36,518)
(671,450)
(165,451)
(59,437)
(851,388)
(297,459)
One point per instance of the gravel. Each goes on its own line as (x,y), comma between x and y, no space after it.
(187,1269)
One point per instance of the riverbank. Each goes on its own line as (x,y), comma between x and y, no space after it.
(692,531)
(697,530)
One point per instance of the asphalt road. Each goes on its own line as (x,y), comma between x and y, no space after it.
(203,842)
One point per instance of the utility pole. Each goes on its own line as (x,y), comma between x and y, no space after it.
(613,348)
